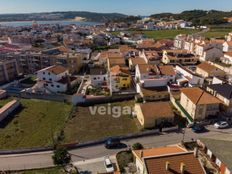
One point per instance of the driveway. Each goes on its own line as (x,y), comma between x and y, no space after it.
(93,166)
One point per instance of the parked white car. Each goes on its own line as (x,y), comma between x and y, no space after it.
(108,165)
(221,125)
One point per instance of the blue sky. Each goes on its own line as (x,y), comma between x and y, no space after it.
(134,7)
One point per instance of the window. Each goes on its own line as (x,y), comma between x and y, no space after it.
(43,72)
(58,86)
(50,79)
(44,78)
(49,73)
(52,85)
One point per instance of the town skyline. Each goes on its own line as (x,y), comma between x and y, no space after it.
(135,7)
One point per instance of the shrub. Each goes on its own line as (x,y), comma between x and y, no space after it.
(137,146)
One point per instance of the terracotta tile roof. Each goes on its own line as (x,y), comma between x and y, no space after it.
(138,61)
(153,55)
(116,61)
(157,110)
(198,96)
(118,70)
(152,152)
(148,68)
(157,165)
(112,53)
(207,67)
(56,69)
(229,54)
(126,48)
(7,107)
(167,70)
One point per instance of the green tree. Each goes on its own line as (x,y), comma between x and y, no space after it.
(137,146)
(61,157)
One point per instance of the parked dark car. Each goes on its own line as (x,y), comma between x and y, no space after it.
(112,143)
(198,128)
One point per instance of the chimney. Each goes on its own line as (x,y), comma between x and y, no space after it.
(167,165)
(182,168)
(196,152)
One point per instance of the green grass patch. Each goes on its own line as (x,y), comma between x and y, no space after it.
(34,124)
(168,34)
(163,34)
(86,127)
(218,32)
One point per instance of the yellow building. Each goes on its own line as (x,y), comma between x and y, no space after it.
(120,79)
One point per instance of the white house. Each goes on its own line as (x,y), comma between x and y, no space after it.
(179,41)
(227,59)
(55,78)
(227,46)
(151,57)
(209,50)
(154,76)
(189,45)
(186,74)
(98,76)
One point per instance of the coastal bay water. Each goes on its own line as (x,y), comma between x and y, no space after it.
(62,22)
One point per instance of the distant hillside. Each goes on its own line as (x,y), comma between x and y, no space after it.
(197,17)
(88,16)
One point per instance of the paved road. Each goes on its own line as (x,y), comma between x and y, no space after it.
(39,160)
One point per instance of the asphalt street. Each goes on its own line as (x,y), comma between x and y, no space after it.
(43,159)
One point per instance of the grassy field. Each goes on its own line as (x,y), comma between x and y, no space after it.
(164,34)
(217,33)
(34,124)
(54,170)
(167,34)
(85,127)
